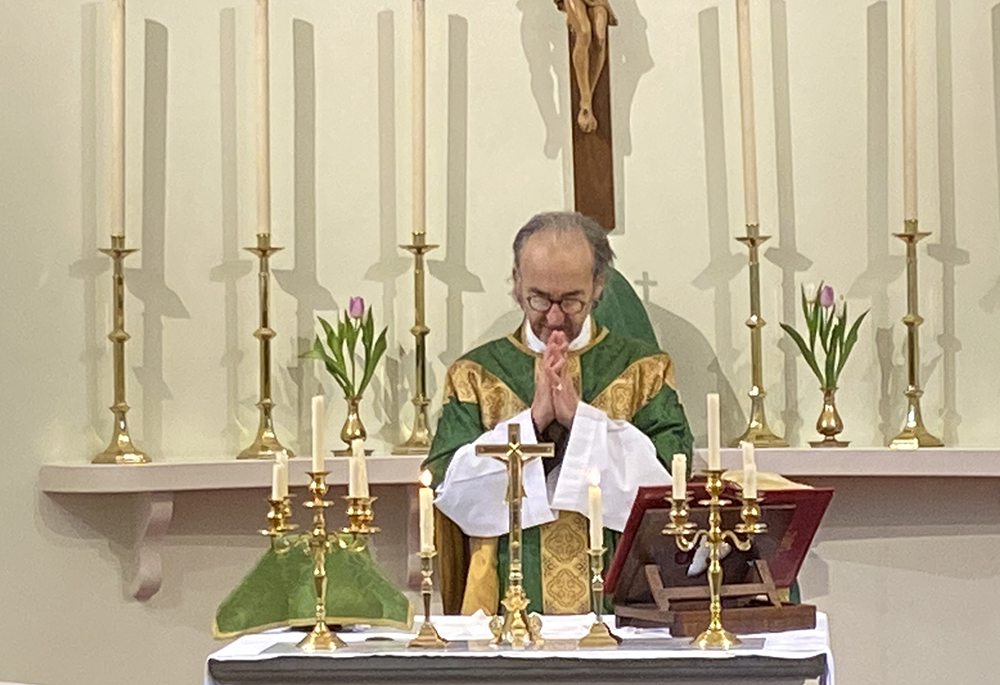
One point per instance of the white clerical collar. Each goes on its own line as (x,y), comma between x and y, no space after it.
(535,343)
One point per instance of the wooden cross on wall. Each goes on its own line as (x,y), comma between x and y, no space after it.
(593,161)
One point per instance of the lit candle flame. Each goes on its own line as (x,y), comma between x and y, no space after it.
(426,478)
(594,476)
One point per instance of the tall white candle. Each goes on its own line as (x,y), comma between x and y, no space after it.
(595,510)
(419,118)
(747,113)
(909,110)
(276,481)
(117,180)
(750,482)
(678,476)
(426,500)
(282,465)
(748,455)
(712,423)
(357,481)
(262,34)
(318,413)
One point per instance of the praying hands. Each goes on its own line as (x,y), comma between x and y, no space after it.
(555,395)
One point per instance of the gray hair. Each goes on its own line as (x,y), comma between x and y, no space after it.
(565,222)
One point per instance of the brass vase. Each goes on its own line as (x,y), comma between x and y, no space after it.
(829,424)
(352,429)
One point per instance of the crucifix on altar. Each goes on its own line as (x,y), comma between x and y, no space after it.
(515,627)
(590,97)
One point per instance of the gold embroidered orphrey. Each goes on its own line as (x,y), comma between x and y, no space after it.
(515,627)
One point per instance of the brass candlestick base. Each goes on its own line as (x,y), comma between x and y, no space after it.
(427,637)
(319,540)
(266,445)
(914,434)
(688,536)
(120,449)
(757,430)
(599,634)
(419,441)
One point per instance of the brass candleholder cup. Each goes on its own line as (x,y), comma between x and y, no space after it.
(121,449)
(599,634)
(359,515)
(319,541)
(266,445)
(427,637)
(687,536)
(278,525)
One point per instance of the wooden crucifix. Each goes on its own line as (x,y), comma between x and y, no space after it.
(515,628)
(590,97)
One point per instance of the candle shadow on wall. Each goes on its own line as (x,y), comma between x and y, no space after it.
(91,265)
(629,59)
(388,394)
(148,284)
(786,255)
(946,250)
(990,302)
(301,281)
(724,265)
(233,267)
(882,268)
(453,271)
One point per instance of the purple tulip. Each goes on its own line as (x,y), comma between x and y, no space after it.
(826,296)
(357,307)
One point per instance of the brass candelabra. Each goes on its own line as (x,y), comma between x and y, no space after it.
(419,441)
(121,449)
(914,434)
(266,445)
(427,637)
(599,634)
(757,432)
(687,536)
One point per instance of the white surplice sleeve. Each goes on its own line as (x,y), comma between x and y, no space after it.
(474,487)
(623,456)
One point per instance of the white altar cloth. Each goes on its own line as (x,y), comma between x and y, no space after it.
(637,643)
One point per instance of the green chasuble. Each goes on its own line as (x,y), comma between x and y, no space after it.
(627,379)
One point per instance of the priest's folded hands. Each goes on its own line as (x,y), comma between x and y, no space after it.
(605,398)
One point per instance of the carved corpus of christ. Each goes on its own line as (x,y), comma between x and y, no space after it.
(589,21)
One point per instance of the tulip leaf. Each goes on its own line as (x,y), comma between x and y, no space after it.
(807,354)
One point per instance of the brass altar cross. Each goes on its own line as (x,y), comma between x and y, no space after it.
(515,627)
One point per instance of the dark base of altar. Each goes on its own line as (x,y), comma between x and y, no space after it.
(689,619)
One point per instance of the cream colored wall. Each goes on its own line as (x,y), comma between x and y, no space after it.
(829,145)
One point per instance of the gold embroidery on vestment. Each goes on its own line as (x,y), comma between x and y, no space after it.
(635,386)
(482,587)
(470,382)
(565,568)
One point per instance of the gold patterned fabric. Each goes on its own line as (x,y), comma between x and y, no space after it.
(635,386)
(482,587)
(469,382)
(565,565)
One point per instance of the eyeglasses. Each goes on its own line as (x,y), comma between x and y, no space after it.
(540,303)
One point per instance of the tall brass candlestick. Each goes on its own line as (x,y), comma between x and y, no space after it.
(121,449)
(427,637)
(914,434)
(419,441)
(319,540)
(757,432)
(266,445)
(688,536)
(599,635)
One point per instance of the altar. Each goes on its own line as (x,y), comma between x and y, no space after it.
(645,655)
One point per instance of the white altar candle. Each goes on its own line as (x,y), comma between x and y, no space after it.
(714,438)
(282,465)
(747,113)
(750,482)
(426,513)
(748,455)
(262,34)
(117,180)
(318,412)
(275,480)
(419,116)
(909,110)
(595,510)
(678,476)
(357,480)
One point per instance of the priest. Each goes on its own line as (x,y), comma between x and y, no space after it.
(607,401)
